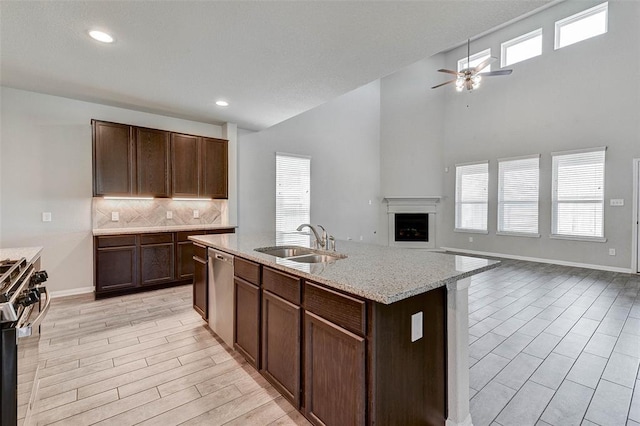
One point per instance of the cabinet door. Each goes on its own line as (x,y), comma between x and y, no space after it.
(214,168)
(334,373)
(247,321)
(152,162)
(185,165)
(116,269)
(200,286)
(185,260)
(113,171)
(281,345)
(157,265)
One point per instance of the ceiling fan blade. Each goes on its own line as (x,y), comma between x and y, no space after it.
(484,64)
(449,71)
(445,83)
(494,73)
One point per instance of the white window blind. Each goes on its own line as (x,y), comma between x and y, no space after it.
(472,181)
(518,184)
(578,194)
(581,26)
(293,197)
(474,60)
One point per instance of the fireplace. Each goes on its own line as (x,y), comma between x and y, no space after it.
(412,221)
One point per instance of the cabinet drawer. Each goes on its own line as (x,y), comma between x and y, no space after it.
(284,285)
(200,251)
(248,270)
(338,308)
(184,235)
(164,237)
(116,241)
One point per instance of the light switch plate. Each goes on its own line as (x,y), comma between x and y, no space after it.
(46,216)
(612,252)
(196,214)
(416,326)
(115,216)
(169,215)
(616,202)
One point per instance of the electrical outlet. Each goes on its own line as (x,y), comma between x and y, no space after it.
(369,202)
(169,215)
(616,202)
(115,216)
(612,252)
(46,216)
(361,238)
(470,239)
(196,214)
(416,326)
(446,170)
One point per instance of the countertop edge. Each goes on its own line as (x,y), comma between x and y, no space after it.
(33,253)
(153,229)
(384,299)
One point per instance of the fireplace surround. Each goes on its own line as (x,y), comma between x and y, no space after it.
(412,221)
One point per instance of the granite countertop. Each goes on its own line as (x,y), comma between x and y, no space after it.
(30,253)
(151,229)
(379,273)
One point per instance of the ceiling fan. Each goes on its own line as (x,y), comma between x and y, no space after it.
(470,77)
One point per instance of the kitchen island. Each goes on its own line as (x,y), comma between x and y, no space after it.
(377,337)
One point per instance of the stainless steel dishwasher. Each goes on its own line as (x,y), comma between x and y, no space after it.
(221,316)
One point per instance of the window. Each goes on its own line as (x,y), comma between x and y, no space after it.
(474,60)
(518,183)
(521,48)
(578,194)
(472,181)
(293,197)
(581,26)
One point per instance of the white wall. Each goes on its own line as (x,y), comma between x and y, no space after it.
(46,167)
(342,137)
(584,95)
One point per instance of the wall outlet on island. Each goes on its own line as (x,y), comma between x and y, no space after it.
(470,239)
(169,215)
(196,214)
(115,216)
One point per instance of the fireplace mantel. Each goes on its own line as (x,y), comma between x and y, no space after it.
(413,204)
(410,199)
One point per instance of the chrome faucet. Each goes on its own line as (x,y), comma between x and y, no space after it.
(320,241)
(324,241)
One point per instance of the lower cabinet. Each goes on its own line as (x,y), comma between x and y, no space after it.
(200,285)
(156,264)
(247,320)
(115,268)
(335,388)
(281,343)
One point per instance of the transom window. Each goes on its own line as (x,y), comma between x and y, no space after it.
(474,60)
(518,185)
(472,182)
(578,194)
(521,48)
(581,26)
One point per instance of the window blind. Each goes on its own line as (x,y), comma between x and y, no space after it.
(578,194)
(293,197)
(472,196)
(518,185)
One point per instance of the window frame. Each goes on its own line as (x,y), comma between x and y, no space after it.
(501,202)
(554,197)
(457,203)
(518,40)
(602,7)
(482,54)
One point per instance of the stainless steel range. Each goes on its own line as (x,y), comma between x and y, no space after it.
(24,302)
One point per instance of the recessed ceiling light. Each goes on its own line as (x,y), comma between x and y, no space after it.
(101,36)
(222,103)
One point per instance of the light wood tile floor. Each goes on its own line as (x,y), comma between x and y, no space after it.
(146,359)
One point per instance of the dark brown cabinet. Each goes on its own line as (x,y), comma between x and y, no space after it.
(200,281)
(335,388)
(123,276)
(152,162)
(247,320)
(137,161)
(157,259)
(281,343)
(199,166)
(113,159)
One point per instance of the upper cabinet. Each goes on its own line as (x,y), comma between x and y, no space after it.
(136,161)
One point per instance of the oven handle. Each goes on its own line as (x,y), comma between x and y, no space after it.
(27,330)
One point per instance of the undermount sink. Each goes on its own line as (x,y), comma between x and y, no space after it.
(301,254)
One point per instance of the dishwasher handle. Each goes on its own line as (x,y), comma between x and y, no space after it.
(220,256)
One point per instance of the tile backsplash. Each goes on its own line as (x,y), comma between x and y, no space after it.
(141,213)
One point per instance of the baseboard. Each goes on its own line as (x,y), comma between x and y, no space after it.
(540,260)
(72,292)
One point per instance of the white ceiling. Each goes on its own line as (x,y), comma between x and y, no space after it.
(271,60)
